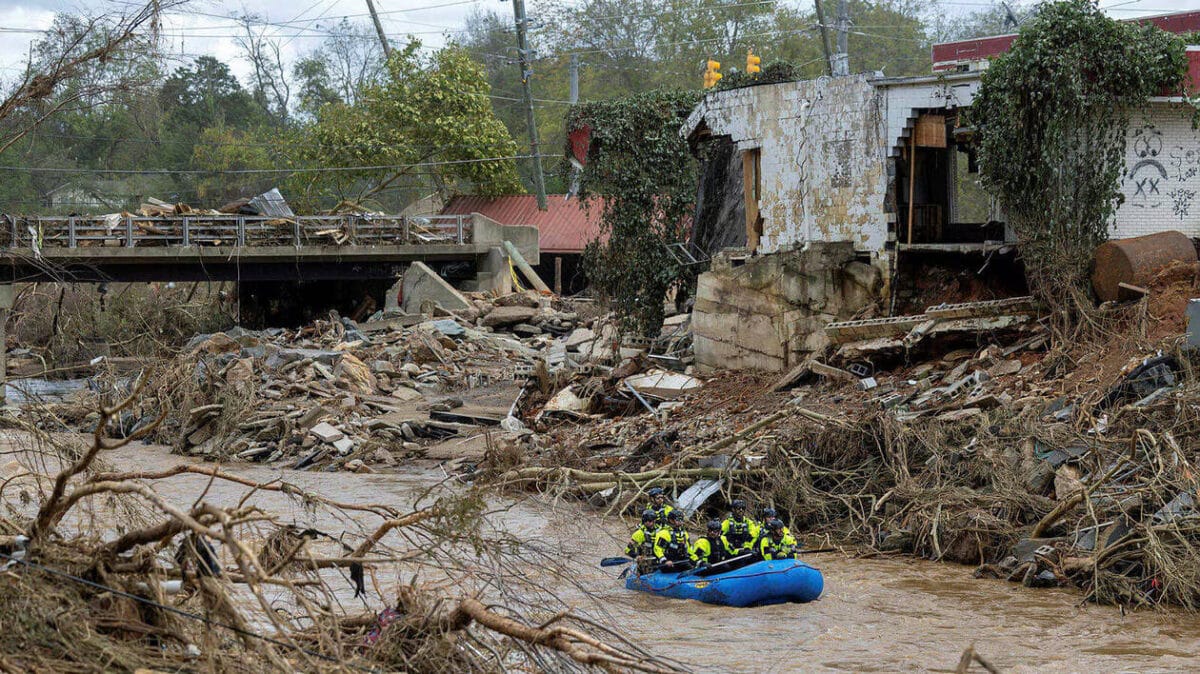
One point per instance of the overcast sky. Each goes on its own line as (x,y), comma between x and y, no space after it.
(202,26)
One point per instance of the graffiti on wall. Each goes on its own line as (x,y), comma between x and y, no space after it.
(1148,175)
(1161,175)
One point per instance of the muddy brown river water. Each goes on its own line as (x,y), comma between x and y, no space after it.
(875,616)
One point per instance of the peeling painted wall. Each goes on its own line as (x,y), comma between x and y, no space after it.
(826,147)
(822,146)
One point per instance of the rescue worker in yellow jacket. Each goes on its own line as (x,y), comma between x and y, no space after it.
(711,547)
(769,514)
(641,541)
(776,544)
(739,529)
(658,503)
(672,544)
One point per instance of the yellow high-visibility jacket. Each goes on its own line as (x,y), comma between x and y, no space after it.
(672,545)
(784,548)
(641,541)
(740,534)
(710,551)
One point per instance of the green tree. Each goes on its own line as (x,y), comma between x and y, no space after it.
(313,82)
(221,149)
(642,176)
(429,118)
(207,93)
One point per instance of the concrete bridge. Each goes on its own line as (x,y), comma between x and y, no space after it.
(202,247)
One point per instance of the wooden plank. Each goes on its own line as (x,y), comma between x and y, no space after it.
(793,376)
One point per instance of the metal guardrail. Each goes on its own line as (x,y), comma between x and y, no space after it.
(130,231)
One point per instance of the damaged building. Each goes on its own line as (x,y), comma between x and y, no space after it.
(832,199)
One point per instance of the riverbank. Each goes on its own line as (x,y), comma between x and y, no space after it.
(866,621)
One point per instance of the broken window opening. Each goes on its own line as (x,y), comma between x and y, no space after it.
(938,196)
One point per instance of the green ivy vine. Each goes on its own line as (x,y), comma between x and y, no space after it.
(642,177)
(1053,115)
(775,72)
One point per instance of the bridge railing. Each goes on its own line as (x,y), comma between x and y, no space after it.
(131,231)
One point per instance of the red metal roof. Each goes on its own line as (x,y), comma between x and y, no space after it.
(565,226)
(948,55)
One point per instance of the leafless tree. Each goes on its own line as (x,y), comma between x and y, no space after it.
(75,51)
(265,55)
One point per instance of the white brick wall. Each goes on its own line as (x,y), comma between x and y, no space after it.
(1162,174)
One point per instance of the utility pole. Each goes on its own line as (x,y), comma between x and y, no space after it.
(841,60)
(824,36)
(387,48)
(574,70)
(539,180)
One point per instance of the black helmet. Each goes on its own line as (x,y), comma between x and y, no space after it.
(738,503)
(769,512)
(775,525)
(714,524)
(649,516)
(655,491)
(674,516)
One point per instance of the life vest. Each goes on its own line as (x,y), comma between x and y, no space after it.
(709,549)
(662,512)
(672,544)
(738,532)
(770,548)
(642,545)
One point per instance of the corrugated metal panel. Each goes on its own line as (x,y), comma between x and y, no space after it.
(564,227)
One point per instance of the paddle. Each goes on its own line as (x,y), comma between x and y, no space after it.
(614,561)
(708,570)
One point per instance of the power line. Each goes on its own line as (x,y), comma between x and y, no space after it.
(319,169)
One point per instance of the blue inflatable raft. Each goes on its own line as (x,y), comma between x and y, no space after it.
(762,583)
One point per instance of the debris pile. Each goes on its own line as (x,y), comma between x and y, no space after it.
(333,391)
(959,434)
(121,563)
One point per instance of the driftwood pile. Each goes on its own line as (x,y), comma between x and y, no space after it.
(114,570)
(332,392)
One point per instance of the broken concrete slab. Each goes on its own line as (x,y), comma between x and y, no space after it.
(526,330)
(284,356)
(423,289)
(503,316)
(448,327)
(830,372)
(343,446)
(578,338)
(663,384)
(566,403)
(389,324)
(405,393)
(793,376)
(326,432)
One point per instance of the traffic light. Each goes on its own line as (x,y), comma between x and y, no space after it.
(712,73)
(752,62)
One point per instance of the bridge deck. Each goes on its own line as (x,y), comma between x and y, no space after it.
(125,247)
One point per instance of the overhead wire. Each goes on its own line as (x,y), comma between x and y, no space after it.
(316,169)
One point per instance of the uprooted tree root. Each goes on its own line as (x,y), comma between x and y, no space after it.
(102,572)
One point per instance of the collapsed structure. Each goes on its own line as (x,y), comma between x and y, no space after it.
(828,199)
